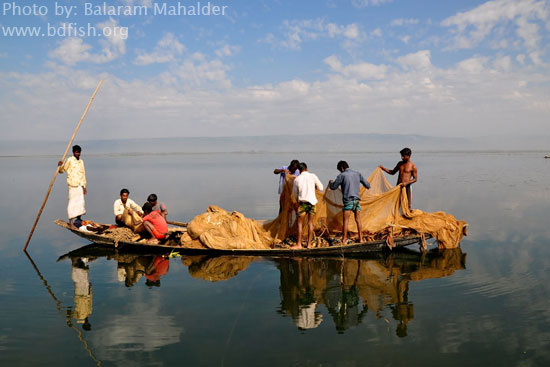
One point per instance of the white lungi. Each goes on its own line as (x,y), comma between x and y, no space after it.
(76,202)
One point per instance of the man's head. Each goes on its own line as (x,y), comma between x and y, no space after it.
(342,166)
(405,154)
(152,199)
(76,151)
(147,208)
(293,166)
(124,193)
(302,167)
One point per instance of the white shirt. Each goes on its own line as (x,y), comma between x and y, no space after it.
(119,207)
(304,187)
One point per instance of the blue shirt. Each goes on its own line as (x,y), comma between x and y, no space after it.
(351,182)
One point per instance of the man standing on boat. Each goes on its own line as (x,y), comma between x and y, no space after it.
(304,191)
(124,208)
(76,180)
(283,172)
(351,182)
(407,172)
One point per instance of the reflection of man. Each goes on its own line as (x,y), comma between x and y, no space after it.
(158,268)
(124,208)
(82,291)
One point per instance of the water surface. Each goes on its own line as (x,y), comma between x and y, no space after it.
(484,304)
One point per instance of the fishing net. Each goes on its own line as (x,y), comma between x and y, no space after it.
(385,214)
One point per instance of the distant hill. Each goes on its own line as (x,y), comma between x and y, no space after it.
(280,143)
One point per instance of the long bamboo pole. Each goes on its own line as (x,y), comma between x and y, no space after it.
(57,168)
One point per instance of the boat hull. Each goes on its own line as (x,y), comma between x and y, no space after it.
(357,248)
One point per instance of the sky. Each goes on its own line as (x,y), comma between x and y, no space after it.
(464,68)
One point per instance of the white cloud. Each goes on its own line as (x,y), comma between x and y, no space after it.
(298,31)
(472,65)
(376,33)
(474,26)
(403,21)
(168,49)
(195,97)
(503,63)
(73,50)
(360,71)
(227,50)
(365,3)
(417,60)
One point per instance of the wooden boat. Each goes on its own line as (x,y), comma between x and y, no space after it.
(355,248)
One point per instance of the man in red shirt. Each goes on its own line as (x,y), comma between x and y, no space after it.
(154,223)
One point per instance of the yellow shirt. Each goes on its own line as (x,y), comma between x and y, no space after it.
(76,175)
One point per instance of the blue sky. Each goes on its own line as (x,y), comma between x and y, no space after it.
(443,68)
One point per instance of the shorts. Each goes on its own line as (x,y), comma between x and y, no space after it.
(352,205)
(158,235)
(306,208)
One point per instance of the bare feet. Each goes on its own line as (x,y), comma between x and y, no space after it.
(296,247)
(153,241)
(73,227)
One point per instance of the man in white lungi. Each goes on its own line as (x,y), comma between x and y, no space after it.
(76,179)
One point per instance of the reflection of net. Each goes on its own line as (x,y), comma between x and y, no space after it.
(385,210)
(216,268)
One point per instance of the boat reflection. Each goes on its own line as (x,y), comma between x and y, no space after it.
(349,288)
(311,289)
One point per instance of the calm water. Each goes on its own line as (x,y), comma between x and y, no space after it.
(485,304)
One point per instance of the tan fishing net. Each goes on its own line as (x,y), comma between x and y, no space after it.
(385,213)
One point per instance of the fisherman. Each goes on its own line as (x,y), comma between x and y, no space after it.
(159,206)
(154,223)
(407,172)
(291,169)
(304,191)
(76,180)
(350,182)
(124,208)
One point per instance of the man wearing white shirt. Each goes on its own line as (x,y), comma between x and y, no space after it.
(124,208)
(304,191)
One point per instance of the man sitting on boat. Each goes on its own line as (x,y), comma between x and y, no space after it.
(154,223)
(124,209)
(159,206)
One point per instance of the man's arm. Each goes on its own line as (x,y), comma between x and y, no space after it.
(333,185)
(364,182)
(318,184)
(280,170)
(393,171)
(63,167)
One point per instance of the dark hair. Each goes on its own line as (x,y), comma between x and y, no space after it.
(147,207)
(294,162)
(342,164)
(302,166)
(406,151)
(77,148)
(151,198)
(124,191)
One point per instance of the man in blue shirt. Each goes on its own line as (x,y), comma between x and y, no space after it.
(351,182)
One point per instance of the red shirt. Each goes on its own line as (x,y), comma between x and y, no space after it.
(157,220)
